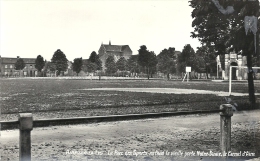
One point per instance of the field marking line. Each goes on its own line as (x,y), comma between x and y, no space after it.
(170,91)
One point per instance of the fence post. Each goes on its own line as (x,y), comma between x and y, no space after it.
(225,127)
(25,126)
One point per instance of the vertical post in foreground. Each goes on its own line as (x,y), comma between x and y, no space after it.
(25,126)
(230,80)
(225,127)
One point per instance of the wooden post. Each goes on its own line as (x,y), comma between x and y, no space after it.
(25,126)
(225,127)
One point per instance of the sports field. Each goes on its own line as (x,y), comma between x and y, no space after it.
(57,98)
(61,98)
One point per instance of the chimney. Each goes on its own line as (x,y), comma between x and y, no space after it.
(109,42)
(18,57)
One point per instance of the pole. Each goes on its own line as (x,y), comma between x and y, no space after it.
(25,126)
(230,78)
(217,71)
(225,128)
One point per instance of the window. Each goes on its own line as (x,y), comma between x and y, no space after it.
(11,66)
(5,66)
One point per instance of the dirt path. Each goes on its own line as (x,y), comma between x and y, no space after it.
(142,139)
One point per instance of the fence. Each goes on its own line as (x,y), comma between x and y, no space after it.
(26,123)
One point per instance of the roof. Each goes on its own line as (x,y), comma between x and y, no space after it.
(115,48)
(13,60)
(125,46)
(29,60)
(8,60)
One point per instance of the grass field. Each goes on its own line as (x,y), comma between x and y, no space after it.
(57,98)
(51,98)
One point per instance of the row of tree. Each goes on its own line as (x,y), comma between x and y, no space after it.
(58,64)
(146,61)
(91,65)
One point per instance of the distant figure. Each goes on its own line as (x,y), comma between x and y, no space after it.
(168,76)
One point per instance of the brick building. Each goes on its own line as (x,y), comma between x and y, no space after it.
(7,67)
(117,51)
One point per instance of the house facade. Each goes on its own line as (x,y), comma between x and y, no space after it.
(7,67)
(117,51)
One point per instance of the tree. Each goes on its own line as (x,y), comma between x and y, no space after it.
(49,67)
(90,67)
(19,65)
(166,63)
(132,64)
(94,58)
(121,64)
(99,64)
(110,65)
(143,55)
(39,63)
(147,60)
(224,24)
(60,61)
(152,64)
(207,59)
(187,58)
(77,65)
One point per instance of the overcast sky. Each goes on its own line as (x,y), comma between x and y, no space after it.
(40,27)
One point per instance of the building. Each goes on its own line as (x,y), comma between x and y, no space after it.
(7,67)
(234,59)
(117,51)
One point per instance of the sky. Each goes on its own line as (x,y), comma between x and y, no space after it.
(29,28)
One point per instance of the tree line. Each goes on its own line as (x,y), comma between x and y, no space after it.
(167,62)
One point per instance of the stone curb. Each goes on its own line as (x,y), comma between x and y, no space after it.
(7,125)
